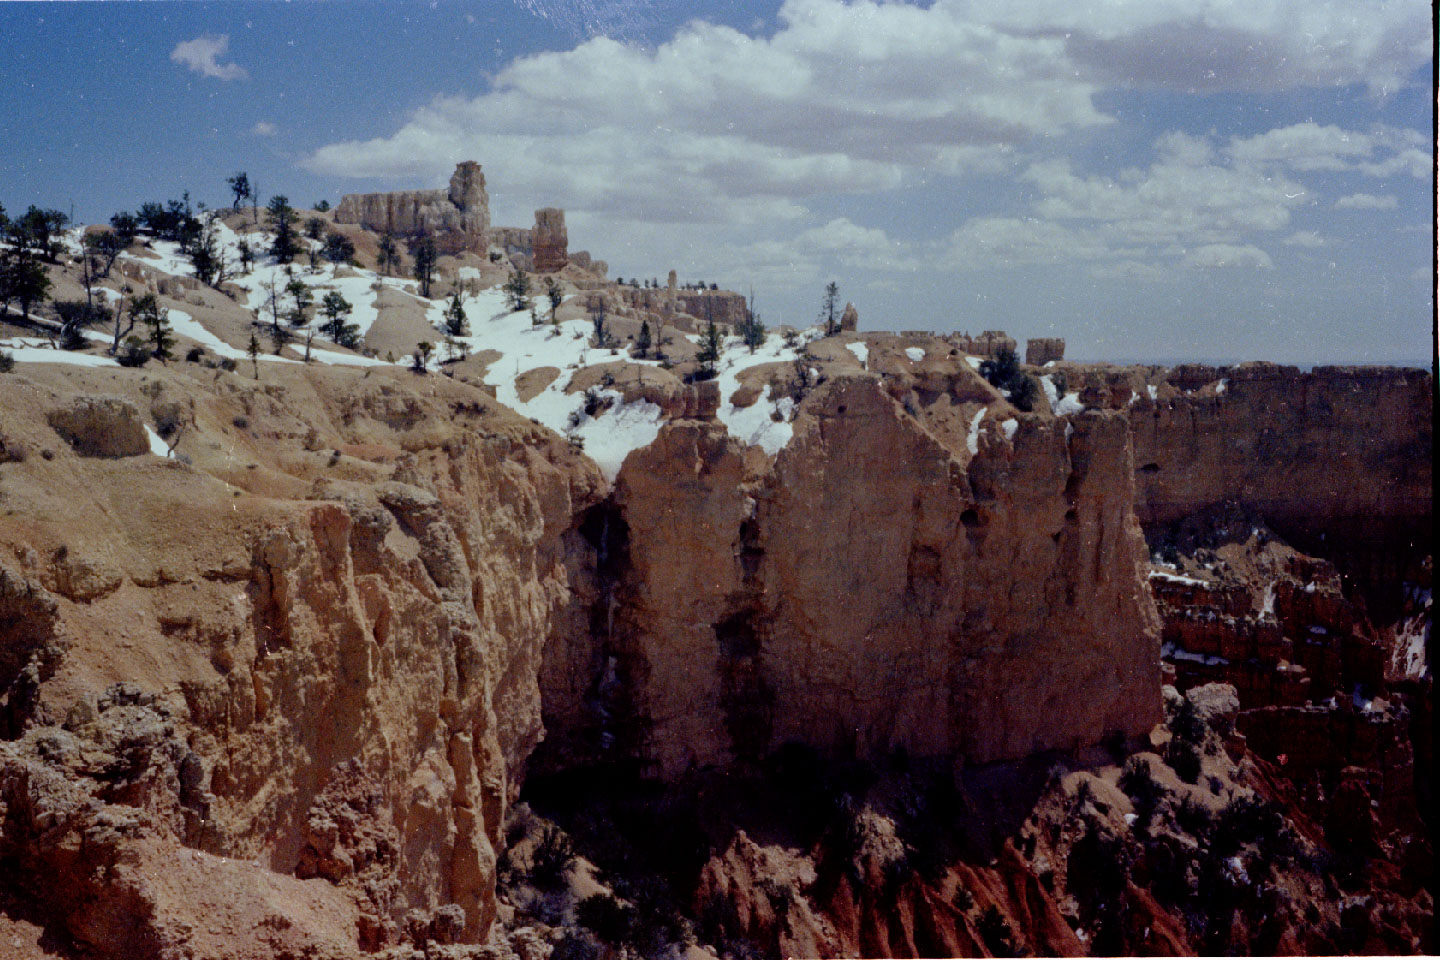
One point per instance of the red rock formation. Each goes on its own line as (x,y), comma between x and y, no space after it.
(869,589)
(549,241)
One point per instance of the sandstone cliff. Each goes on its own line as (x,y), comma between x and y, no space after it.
(868,590)
(329,623)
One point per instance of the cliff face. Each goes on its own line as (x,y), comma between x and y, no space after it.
(1337,461)
(330,628)
(870,590)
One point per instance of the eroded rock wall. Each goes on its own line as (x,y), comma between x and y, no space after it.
(871,589)
(329,628)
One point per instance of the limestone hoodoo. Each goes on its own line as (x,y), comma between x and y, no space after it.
(549,240)
(462,208)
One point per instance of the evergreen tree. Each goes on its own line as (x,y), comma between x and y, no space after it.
(709,354)
(127,311)
(338,249)
(456,325)
(421,360)
(106,248)
(389,256)
(300,298)
(554,295)
(323,206)
(425,255)
(337,309)
(240,187)
(597,320)
(253,349)
(314,228)
(642,341)
(517,290)
(206,258)
(23,279)
(282,220)
(125,225)
(247,254)
(161,339)
(830,309)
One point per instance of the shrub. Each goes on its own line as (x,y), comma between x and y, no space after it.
(194,354)
(7,361)
(611,921)
(1186,724)
(133,353)
(554,855)
(1184,759)
(1139,783)
(995,931)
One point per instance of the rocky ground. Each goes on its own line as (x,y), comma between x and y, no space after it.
(559,651)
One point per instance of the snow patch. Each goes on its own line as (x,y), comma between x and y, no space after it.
(972,441)
(1010,426)
(861,351)
(916,354)
(158,446)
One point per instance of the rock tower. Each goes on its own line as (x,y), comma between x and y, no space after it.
(549,241)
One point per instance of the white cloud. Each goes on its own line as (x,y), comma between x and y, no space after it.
(203,54)
(263,128)
(1383,152)
(1207,45)
(1365,201)
(1218,255)
(1305,238)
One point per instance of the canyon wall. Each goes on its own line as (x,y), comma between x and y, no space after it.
(869,590)
(329,627)
(1337,460)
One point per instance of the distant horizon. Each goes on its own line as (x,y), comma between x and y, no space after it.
(1135,177)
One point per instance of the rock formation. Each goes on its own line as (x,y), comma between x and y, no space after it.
(1041,350)
(463,208)
(751,614)
(725,307)
(850,319)
(330,670)
(548,241)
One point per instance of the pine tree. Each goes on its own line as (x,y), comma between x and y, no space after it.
(336,309)
(282,220)
(425,255)
(389,256)
(517,290)
(642,342)
(161,339)
(240,187)
(253,349)
(301,298)
(421,360)
(709,354)
(829,308)
(554,295)
(456,324)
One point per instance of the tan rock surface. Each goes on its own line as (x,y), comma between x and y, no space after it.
(313,619)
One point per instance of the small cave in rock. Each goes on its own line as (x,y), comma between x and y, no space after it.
(1150,468)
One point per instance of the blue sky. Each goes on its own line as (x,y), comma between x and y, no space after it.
(1150,180)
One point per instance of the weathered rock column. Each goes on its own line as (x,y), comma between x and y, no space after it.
(549,240)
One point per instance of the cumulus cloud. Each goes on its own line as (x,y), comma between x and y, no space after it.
(203,54)
(1220,255)
(1365,201)
(1211,45)
(1305,238)
(716,147)
(263,128)
(1383,152)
